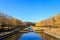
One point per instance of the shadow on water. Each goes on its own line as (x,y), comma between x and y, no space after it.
(13,37)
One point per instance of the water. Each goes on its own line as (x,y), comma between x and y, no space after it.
(30,36)
(19,35)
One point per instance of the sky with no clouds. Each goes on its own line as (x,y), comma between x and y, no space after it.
(30,10)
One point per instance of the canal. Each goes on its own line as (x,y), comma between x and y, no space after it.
(30,34)
(18,36)
(41,33)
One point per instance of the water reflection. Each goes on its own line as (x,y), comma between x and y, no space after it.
(30,36)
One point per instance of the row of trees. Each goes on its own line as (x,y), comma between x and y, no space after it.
(50,22)
(8,22)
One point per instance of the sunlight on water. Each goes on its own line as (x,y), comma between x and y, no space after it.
(30,36)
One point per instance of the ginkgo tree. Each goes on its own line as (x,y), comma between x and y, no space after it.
(53,21)
(7,22)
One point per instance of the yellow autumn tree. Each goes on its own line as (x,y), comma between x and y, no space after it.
(57,20)
(50,22)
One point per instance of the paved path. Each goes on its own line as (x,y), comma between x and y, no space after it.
(5,34)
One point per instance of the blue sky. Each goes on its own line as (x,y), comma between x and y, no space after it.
(30,10)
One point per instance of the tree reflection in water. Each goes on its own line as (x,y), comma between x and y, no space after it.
(30,36)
